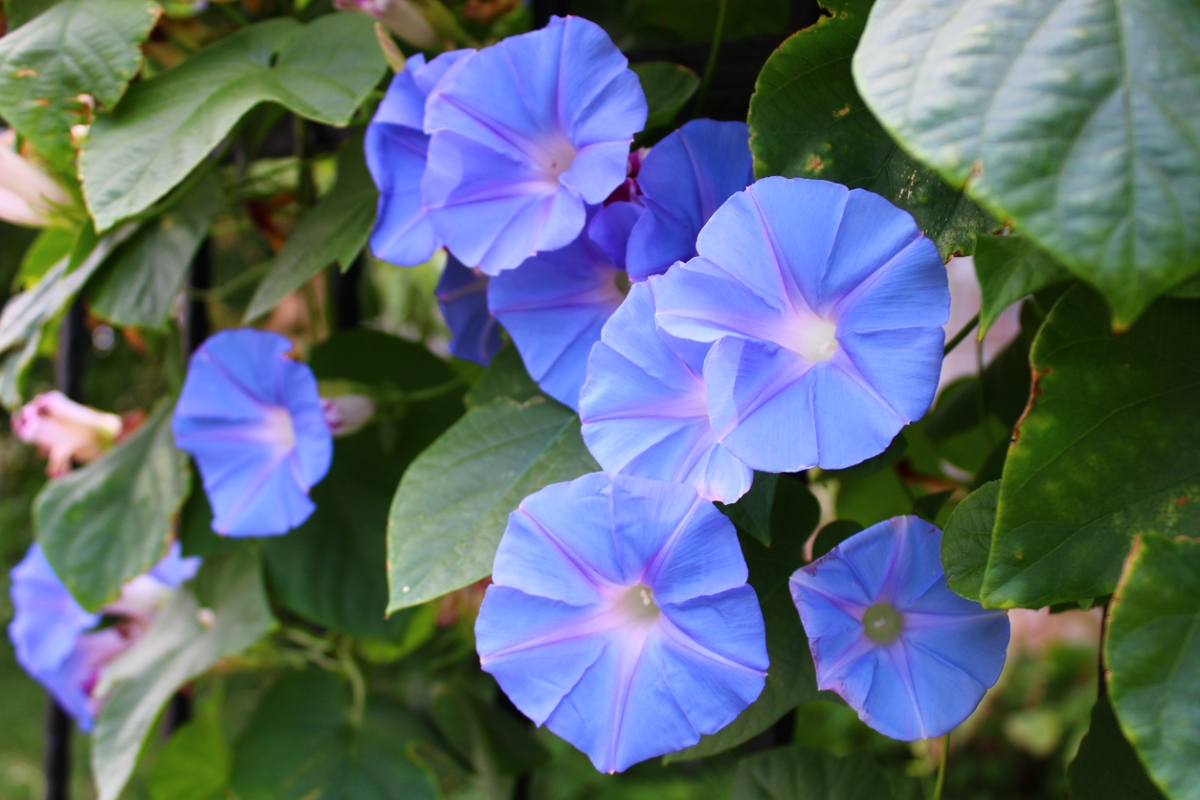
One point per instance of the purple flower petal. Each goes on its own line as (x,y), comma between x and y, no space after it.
(684,180)
(252,419)
(48,619)
(462,297)
(554,307)
(574,632)
(644,411)
(826,308)
(525,134)
(922,677)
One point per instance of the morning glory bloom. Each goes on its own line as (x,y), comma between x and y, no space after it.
(620,618)
(526,133)
(396,146)
(54,637)
(462,295)
(910,656)
(253,421)
(824,307)
(683,181)
(553,307)
(643,406)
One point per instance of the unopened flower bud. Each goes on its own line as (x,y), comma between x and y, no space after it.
(65,431)
(347,413)
(401,17)
(28,195)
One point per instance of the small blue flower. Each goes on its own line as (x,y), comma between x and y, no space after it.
(910,656)
(643,406)
(824,308)
(526,133)
(252,419)
(553,307)
(54,638)
(396,147)
(683,181)
(620,617)
(462,294)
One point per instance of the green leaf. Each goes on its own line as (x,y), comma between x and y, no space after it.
(335,229)
(752,511)
(141,279)
(110,521)
(504,377)
(668,87)
(1104,451)
(807,121)
(76,47)
(452,507)
(195,764)
(791,678)
(832,535)
(927,506)
(968,539)
(332,569)
(167,125)
(493,741)
(20,12)
(1076,119)
(221,613)
(300,745)
(50,247)
(1152,654)
(1106,767)
(798,773)
(1010,267)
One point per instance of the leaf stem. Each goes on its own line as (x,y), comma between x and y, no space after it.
(358,686)
(941,777)
(713,51)
(962,334)
(233,14)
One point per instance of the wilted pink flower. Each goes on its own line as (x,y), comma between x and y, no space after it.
(28,194)
(65,431)
(400,16)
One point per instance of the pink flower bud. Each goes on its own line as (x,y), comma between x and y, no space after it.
(347,413)
(400,16)
(65,431)
(28,194)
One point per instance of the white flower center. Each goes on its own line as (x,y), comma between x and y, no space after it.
(279,429)
(817,339)
(637,604)
(557,158)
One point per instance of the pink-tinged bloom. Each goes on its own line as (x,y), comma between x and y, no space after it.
(28,195)
(886,633)
(65,431)
(400,16)
(620,617)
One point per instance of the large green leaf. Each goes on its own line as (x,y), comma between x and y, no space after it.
(967,540)
(301,744)
(453,503)
(335,229)
(169,124)
(752,511)
(195,764)
(221,613)
(668,87)
(807,121)
(332,569)
(791,677)
(1009,268)
(76,47)
(800,773)
(106,523)
(1106,768)
(1105,450)
(1152,653)
(1077,119)
(141,279)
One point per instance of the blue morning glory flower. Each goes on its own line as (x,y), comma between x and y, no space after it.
(620,618)
(683,181)
(53,635)
(643,406)
(910,656)
(553,307)
(396,148)
(252,419)
(824,307)
(462,294)
(526,133)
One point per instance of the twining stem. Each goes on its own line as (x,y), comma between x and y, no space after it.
(958,337)
(941,778)
(358,686)
(712,58)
